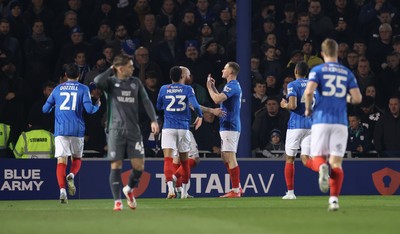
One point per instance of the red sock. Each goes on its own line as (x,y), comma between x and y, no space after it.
(235,177)
(289,175)
(75,165)
(168,168)
(178,173)
(61,167)
(176,169)
(310,164)
(192,163)
(336,181)
(318,161)
(186,171)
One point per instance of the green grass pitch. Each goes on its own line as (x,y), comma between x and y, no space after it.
(264,215)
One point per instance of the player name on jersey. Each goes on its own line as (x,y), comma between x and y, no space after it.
(68,87)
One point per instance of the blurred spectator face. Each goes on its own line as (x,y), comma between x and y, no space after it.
(74,4)
(341,4)
(303,32)
(260,89)
(255,64)
(385,32)
(189,18)
(304,20)
(271,39)
(286,81)
(109,53)
(170,32)
(385,17)
(8,68)
(370,91)
(202,5)
(394,106)
(271,81)
(341,26)
(105,8)
(76,38)
(121,32)
(363,67)
(212,48)
(37,28)
(141,4)
(270,54)
(4,28)
(71,19)
(192,53)
(101,63)
(149,22)
(104,29)
(206,31)
(360,48)
(151,82)
(314,8)
(142,55)
(354,122)
(225,15)
(168,6)
(275,139)
(272,107)
(234,11)
(289,16)
(307,48)
(393,61)
(343,49)
(352,58)
(37,3)
(80,59)
(298,57)
(268,26)
(396,48)
(47,91)
(208,117)
(16,11)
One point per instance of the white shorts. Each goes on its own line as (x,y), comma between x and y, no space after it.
(229,141)
(176,139)
(328,139)
(68,146)
(194,151)
(298,138)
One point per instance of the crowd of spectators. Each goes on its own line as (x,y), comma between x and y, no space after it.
(38,37)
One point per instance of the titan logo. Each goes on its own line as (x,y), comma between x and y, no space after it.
(386,181)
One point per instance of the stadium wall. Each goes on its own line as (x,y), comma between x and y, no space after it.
(36,179)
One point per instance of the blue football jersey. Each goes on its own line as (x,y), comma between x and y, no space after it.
(231,121)
(174,100)
(334,82)
(69,100)
(297,118)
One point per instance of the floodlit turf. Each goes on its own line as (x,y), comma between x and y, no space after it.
(308,215)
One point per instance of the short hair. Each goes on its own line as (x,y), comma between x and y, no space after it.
(71,71)
(48,83)
(330,47)
(257,81)
(121,60)
(175,73)
(301,68)
(235,67)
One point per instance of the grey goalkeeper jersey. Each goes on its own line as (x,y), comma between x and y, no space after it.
(123,97)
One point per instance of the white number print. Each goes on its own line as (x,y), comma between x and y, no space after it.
(335,85)
(181,104)
(64,105)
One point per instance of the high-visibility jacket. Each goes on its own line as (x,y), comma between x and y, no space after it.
(4,135)
(35,144)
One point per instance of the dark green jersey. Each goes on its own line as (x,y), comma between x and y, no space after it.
(123,97)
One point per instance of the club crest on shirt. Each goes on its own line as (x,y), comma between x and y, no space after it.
(133,86)
(227,89)
(117,85)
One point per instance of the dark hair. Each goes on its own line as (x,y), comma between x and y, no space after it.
(175,73)
(301,68)
(48,83)
(71,71)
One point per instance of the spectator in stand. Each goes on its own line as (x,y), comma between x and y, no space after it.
(267,10)
(9,46)
(360,46)
(206,33)
(207,135)
(269,118)
(39,57)
(386,135)
(364,75)
(36,116)
(182,6)
(82,13)
(342,52)
(255,67)
(143,64)
(302,34)
(149,34)
(141,8)
(296,56)
(321,25)
(369,115)
(19,28)
(396,44)
(167,14)
(224,27)
(288,24)
(358,141)
(214,53)
(99,67)
(351,60)
(83,66)
(204,13)
(273,85)
(379,48)
(286,81)
(270,62)
(342,31)
(187,29)
(275,144)
(310,54)
(62,30)
(197,65)
(272,40)
(120,35)
(104,35)
(38,10)
(343,8)
(109,54)
(105,12)
(169,51)
(388,80)
(259,96)
(268,27)
(200,91)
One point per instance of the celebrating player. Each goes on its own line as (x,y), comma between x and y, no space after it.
(69,99)
(335,84)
